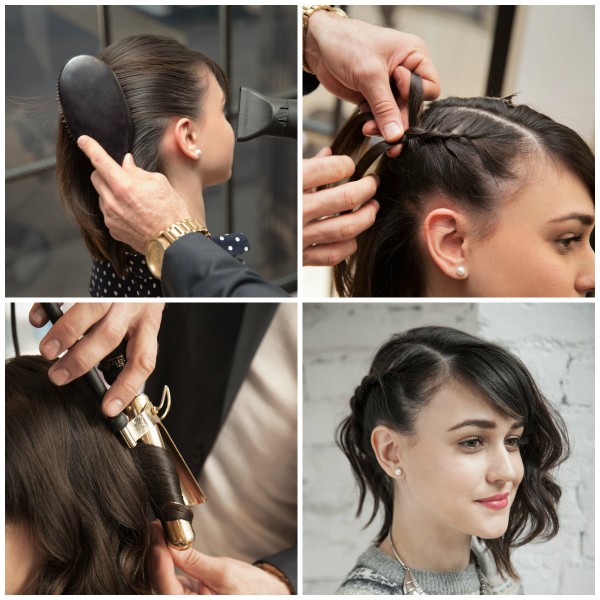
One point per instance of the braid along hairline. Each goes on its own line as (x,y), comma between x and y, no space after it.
(524,131)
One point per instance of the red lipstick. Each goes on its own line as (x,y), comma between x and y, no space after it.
(497,502)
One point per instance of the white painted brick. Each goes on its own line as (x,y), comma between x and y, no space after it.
(577,578)
(555,321)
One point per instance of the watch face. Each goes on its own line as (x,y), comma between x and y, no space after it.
(155,254)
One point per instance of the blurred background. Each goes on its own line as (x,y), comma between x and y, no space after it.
(255,45)
(556,343)
(546,53)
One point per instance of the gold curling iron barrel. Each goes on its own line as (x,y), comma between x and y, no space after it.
(145,425)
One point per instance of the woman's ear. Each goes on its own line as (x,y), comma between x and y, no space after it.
(386,445)
(446,231)
(186,139)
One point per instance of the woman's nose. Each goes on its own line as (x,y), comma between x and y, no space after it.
(585,281)
(502,466)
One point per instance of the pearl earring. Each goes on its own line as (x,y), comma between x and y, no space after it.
(461,271)
(398,472)
(198,152)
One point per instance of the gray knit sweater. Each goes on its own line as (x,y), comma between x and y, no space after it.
(377,573)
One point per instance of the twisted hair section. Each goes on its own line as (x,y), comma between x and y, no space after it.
(474,152)
(405,374)
(162,482)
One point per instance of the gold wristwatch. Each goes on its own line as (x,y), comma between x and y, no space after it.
(155,248)
(307,12)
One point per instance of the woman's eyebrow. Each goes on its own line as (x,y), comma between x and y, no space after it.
(485,424)
(584,218)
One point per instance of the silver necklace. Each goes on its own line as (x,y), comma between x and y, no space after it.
(411,586)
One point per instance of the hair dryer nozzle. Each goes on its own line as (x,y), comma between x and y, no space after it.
(260,115)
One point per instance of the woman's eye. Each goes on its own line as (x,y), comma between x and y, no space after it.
(513,442)
(568,242)
(472,443)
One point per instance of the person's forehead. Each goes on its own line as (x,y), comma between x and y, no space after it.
(456,402)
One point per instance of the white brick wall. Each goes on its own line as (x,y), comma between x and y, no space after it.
(555,340)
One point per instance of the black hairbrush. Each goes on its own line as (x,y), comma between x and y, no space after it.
(92,103)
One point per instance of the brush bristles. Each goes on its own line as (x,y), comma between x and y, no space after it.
(62,115)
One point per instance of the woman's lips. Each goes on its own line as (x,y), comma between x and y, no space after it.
(497,502)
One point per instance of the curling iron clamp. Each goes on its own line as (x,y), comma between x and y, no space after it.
(142,421)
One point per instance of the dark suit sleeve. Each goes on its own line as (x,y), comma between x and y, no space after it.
(287,563)
(194,266)
(309,83)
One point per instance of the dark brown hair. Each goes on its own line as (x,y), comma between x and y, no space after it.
(160,78)
(477,151)
(85,499)
(406,372)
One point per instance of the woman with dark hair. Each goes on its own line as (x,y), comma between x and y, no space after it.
(177,100)
(78,501)
(455,442)
(486,198)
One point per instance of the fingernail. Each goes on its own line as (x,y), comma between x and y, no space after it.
(38,316)
(376,204)
(51,349)
(114,407)
(82,140)
(392,131)
(60,376)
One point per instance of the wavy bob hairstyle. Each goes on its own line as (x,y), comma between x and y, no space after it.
(405,374)
(84,498)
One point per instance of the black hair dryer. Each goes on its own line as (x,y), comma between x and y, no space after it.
(260,115)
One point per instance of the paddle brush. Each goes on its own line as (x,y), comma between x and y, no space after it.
(92,103)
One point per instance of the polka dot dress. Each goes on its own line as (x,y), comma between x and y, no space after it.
(138,281)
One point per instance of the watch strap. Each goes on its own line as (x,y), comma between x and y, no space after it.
(307,12)
(181,228)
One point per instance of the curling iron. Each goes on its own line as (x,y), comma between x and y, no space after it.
(141,421)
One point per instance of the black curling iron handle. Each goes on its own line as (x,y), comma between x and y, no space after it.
(117,423)
(112,365)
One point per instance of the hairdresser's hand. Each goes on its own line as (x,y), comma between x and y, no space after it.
(327,240)
(136,205)
(107,325)
(204,574)
(355,60)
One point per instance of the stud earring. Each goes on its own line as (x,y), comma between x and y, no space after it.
(461,271)
(198,152)
(398,472)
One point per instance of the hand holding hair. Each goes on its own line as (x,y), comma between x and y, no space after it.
(327,236)
(137,205)
(105,326)
(356,60)
(207,575)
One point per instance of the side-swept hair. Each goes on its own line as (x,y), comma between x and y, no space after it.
(160,78)
(477,151)
(406,372)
